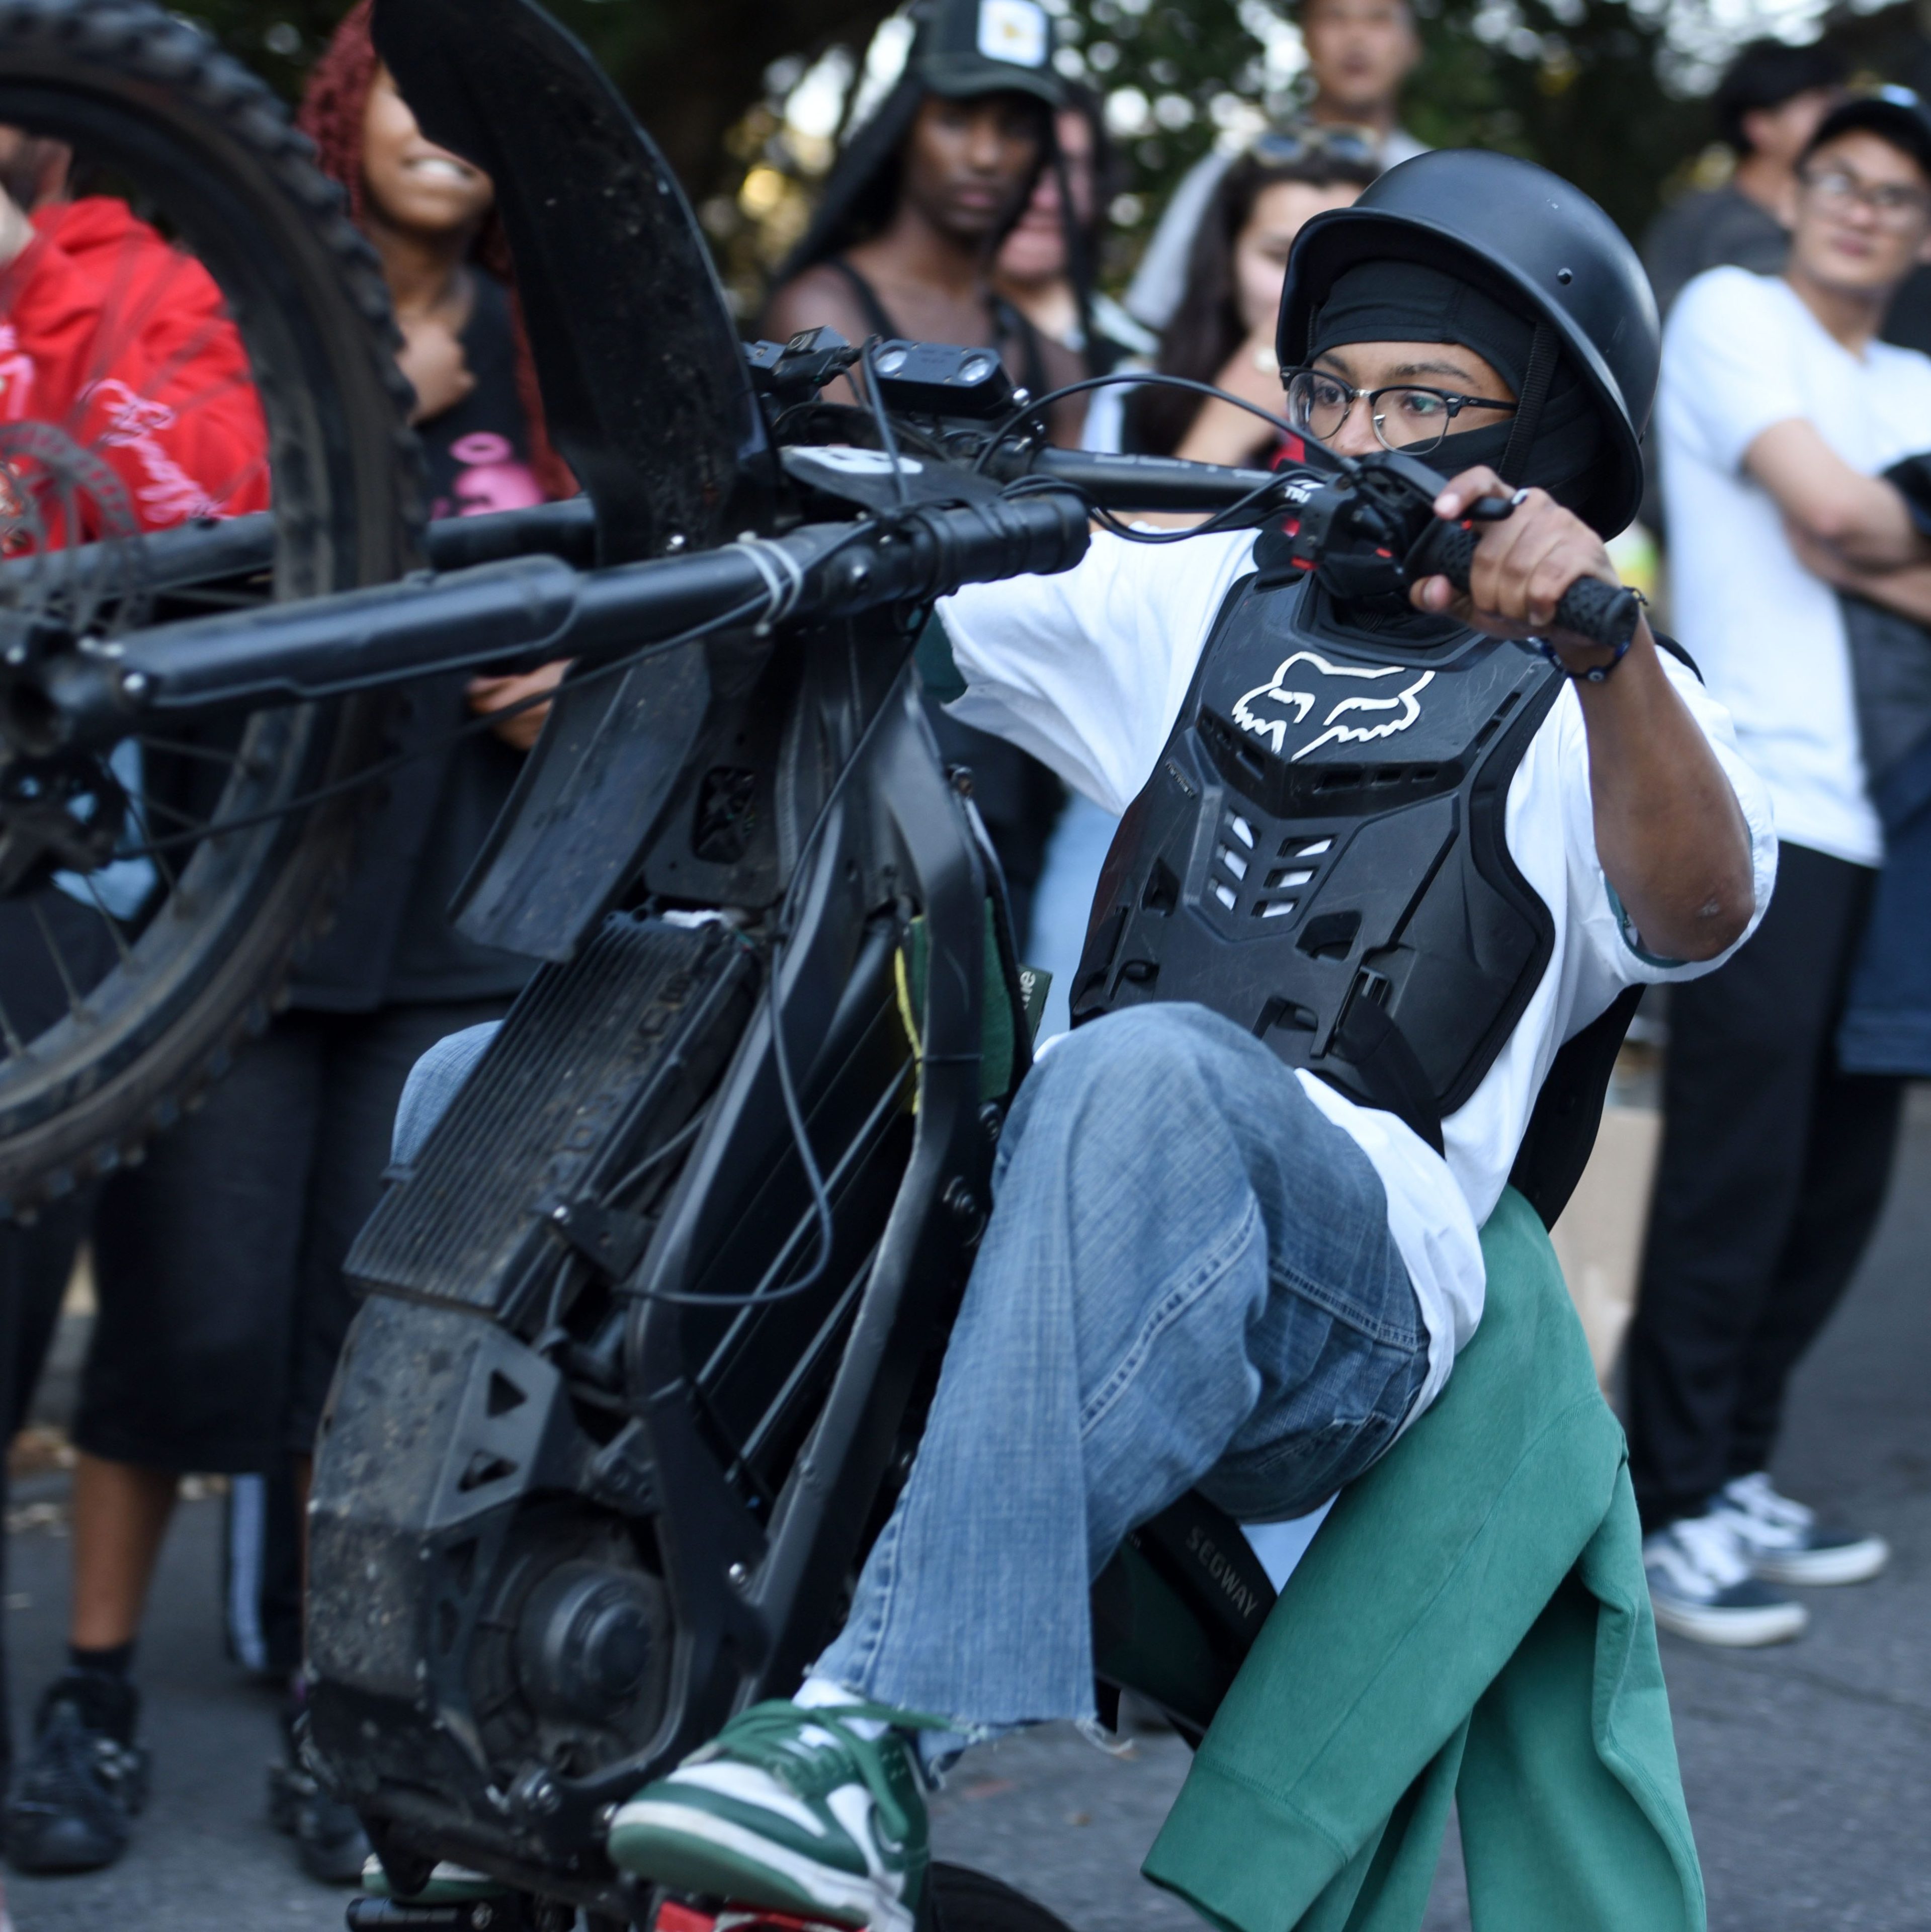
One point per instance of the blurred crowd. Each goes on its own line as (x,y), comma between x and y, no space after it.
(1790,493)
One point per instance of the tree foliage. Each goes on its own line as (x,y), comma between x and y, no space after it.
(1575,84)
(691,68)
(1596,89)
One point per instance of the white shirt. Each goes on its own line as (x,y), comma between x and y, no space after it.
(1741,352)
(1088,670)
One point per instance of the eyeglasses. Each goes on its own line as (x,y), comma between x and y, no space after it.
(1285,146)
(1890,203)
(1406,417)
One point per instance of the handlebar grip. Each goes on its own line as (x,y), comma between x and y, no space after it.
(1605,613)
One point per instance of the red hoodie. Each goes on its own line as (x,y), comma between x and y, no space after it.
(124,343)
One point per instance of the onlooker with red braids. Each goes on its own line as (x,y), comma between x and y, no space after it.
(219,1261)
(432,218)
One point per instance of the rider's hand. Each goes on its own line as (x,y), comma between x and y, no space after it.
(487,694)
(1522,565)
(16,230)
(432,359)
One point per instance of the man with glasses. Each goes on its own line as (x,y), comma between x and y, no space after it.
(1768,105)
(1780,409)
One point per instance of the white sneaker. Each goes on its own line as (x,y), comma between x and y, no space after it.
(1701,1587)
(1786,1544)
(795,1810)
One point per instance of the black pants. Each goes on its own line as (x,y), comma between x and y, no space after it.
(36,1261)
(1773,1168)
(218,1259)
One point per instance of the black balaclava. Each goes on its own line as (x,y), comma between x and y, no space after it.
(1552,443)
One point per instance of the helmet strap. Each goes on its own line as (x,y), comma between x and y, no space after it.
(1541,372)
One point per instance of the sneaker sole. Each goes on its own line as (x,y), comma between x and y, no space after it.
(1854,1563)
(68,1845)
(694,1851)
(1731,1630)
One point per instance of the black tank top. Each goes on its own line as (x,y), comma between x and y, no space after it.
(1019,797)
(1008,325)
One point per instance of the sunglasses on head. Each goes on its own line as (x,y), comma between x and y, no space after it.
(1287,145)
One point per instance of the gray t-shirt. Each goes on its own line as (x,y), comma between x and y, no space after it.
(1717,228)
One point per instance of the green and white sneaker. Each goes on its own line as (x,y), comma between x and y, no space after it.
(792,1809)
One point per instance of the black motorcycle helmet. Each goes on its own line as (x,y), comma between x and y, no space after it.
(1542,250)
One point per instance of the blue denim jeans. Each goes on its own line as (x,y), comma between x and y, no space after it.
(1187,1281)
(432,1084)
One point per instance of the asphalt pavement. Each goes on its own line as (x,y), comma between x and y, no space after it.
(1808,1767)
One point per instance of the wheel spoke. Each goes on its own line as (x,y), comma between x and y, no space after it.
(181,818)
(151,849)
(174,748)
(112,924)
(74,1005)
(11,1034)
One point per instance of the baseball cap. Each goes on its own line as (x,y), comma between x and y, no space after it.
(970,47)
(1893,114)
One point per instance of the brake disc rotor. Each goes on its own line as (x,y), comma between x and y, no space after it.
(64,511)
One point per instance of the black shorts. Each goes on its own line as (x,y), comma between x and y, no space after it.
(218,1260)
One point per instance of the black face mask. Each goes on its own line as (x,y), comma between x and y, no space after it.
(1404,301)
(1454,453)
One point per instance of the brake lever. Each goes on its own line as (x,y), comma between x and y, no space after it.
(1492,509)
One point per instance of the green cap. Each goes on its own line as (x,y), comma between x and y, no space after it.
(964,48)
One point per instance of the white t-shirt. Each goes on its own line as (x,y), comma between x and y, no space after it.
(1088,670)
(1741,352)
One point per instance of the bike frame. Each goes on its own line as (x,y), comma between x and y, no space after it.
(750,1562)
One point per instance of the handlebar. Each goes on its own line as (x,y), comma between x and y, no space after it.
(521,614)
(1168,483)
(1605,614)
(1370,524)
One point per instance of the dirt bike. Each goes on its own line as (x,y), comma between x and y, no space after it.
(653,1318)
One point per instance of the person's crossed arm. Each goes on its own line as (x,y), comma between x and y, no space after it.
(1906,589)
(1729,357)
(1832,513)
(1672,837)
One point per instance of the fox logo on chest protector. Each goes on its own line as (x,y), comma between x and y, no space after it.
(1346,703)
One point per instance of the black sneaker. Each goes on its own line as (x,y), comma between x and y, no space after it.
(73,1806)
(1784,1542)
(1701,1587)
(328,1837)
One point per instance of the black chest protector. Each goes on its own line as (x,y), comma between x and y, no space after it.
(1320,854)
